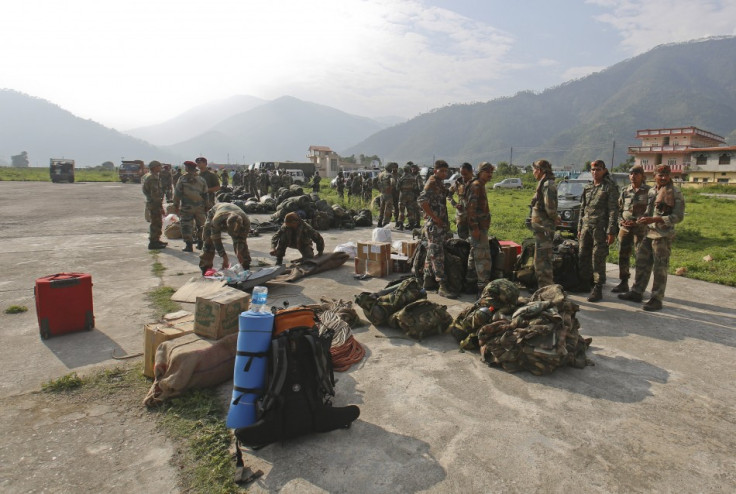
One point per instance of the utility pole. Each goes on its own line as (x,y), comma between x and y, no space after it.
(613,150)
(511,156)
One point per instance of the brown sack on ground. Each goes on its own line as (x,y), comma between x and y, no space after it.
(307,267)
(191,362)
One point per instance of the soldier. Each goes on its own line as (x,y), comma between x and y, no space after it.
(154,208)
(224,178)
(275,181)
(666,208)
(263,182)
(386,186)
(543,209)
(460,187)
(252,183)
(367,190)
(189,196)
(349,184)
(340,184)
(237,178)
(395,196)
(286,179)
(420,186)
(597,228)
(478,221)
(433,201)
(632,204)
(225,217)
(408,194)
(166,181)
(315,182)
(295,233)
(210,178)
(175,178)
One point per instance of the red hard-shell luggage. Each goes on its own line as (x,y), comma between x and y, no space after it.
(64,304)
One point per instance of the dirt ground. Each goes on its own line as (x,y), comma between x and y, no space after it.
(655,413)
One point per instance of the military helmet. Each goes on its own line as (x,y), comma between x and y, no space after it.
(407,168)
(153,164)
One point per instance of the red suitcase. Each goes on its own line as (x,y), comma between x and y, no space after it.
(64,304)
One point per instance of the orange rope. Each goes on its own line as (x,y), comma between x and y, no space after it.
(347,354)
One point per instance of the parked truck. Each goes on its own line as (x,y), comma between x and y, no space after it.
(132,171)
(61,170)
(307,168)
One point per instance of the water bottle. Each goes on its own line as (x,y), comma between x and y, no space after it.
(258,299)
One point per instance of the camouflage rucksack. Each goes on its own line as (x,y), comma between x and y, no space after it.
(321,221)
(524,267)
(455,271)
(363,218)
(379,306)
(421,318)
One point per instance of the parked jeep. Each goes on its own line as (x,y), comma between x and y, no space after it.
(132,171)
(61,170)
(509,183)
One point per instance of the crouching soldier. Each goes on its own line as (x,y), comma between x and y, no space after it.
(296,234)
(225,217)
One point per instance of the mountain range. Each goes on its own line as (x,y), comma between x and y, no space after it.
(673,85)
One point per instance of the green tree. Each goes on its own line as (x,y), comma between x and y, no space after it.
(20,160)
(625,166)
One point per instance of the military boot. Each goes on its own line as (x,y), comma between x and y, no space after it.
(631,296)
(380,222)
(199,245)
(653,305)
(444,291)
(399,225)
(188,247)
(156,245)
(622,287)
(430,283)
(596,294)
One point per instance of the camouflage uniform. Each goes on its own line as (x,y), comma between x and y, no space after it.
(211,180)
(189,200)
(367,190)
(175,177)
(300,238)
(460,187)
(598,218)
(166,182)
(654,252)
(543,217)
(386,186)
(435,195)
(275,181)
(151,185)
(216,223)
(340,184)
(315,182)
(356,186)
(263,182)
(408,193)
(395,196)
(632,204)
(478,216)
(224,178)
(286,180)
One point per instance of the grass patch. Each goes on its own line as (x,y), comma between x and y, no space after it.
(160,300)
(16,309)
(41,174)
(62,384)
(158,269)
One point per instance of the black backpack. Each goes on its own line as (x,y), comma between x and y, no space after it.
(299,386)
(565,264)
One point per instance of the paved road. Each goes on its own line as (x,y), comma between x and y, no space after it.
(655,413)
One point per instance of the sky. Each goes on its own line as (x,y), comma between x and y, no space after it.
(133,63)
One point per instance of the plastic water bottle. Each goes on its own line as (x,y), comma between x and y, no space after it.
(258,299)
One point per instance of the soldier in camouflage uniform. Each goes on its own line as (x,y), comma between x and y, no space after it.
(296,234)
(367,191)
(251,183)
(263,182)
(386,186)
(479,220)
(189,205)
(408,193)
(275,181)
(315,182)
(225,217)
(433,201)
(632,204)
(210,178)
(460,187)
(395,196)
(356,186)
(340,184)
(224,178)
(176,176)
(166,182)
(543,220)
(286,179)
(151,184)
(666,208)
(597,228)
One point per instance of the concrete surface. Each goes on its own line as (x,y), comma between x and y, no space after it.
(655,413)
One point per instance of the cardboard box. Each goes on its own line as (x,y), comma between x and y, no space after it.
(374,251)
(408,247)
(217,316)
(400,264)
(378,269)
(511,243)
(511,251)
(156,333)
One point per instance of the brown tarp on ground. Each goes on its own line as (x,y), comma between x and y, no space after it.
(301,268)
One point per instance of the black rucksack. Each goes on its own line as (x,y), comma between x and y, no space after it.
(299,386)
(565,264)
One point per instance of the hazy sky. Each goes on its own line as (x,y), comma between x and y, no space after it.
(138,62)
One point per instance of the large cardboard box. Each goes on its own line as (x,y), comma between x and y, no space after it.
(217,316)
(374,251)
(378,269)
(511,251)
(156,333)
(408,247)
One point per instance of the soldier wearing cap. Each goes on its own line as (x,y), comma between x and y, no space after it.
(478,217)
(210,178)
(386,186)
(189,205)
(296,234)
(460,187)
(665,209)
(225,217)
(167,181)
(632,204)
(543,220)
(408,193)
(151,185)
(597,228)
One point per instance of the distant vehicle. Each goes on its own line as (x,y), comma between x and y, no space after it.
(132,171)
(451,180)
(263,165)
(509,183)
(61,170)
(569,194)
(297,176)
(307,168)
(364,172)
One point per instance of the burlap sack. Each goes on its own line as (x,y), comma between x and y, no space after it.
(173,231)
(191,362)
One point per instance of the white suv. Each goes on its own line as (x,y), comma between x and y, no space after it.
(509,183)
